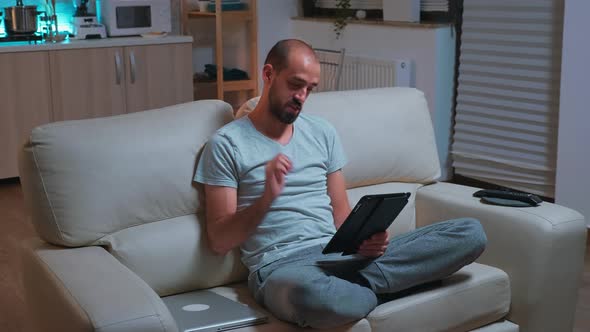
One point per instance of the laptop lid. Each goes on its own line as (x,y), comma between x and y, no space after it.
(207,311)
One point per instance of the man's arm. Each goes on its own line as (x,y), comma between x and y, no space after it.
(339,199)
(376,245)
(227,228)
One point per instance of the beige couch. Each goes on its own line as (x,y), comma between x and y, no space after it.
(113,201)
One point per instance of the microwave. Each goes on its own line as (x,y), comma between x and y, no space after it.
(134,17)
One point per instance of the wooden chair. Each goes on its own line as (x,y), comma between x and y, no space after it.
(331,62)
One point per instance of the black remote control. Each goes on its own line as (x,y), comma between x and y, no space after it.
(531,199)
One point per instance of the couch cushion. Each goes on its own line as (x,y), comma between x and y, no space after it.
(172,256)
(386,133)
(474,296)
(90,178)
(406,220)
(179,244)
(499,326)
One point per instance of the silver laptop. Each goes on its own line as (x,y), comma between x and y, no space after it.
(207,311)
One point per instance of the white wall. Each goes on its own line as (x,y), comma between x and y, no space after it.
(573,154)
(432,51)
(274,24)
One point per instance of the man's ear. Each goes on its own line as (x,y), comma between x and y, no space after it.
(267,72)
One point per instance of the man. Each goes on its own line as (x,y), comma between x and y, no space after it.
(274,187)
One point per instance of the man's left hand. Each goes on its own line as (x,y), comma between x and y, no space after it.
(374,246)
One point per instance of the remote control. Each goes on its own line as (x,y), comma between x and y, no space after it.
(531,199)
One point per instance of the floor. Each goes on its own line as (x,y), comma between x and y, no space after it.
(14,228)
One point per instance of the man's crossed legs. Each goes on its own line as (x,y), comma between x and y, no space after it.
(304,290)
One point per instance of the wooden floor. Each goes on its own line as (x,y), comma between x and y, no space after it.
(14,228)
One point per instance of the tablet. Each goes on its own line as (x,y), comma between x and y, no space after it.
(372,214)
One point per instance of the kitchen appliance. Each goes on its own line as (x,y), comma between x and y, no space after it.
(86,25)
(134,17)
(20,19)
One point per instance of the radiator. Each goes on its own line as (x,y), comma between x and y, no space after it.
(365,73)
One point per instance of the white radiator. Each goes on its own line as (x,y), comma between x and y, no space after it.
(365,73)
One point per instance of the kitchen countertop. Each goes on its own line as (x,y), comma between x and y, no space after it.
(9,47)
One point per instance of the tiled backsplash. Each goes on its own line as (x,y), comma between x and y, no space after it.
(65,10)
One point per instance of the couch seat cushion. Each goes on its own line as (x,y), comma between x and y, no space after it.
(474,296)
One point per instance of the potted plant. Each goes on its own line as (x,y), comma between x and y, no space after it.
(343,13)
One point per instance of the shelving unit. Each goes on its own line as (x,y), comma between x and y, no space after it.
(244,89)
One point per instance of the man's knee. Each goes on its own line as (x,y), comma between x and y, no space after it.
(324,306)
(475,239)
(319,303)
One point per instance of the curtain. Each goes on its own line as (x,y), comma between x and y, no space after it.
(507,101)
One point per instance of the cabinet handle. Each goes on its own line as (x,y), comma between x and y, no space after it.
(118,67)
(132,62)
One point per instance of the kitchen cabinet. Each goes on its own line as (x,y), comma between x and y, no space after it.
(87,79)
(100,82)
(158,76)
(87,83)
(26,103)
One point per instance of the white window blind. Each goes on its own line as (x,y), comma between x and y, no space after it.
(508,93)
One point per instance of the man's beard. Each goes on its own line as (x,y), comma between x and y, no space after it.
(278,110)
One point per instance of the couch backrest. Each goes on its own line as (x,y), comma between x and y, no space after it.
(387,134)
(125,182)
(90,178)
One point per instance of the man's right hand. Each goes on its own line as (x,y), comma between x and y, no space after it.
(276,170)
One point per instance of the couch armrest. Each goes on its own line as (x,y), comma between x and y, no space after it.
(540,248)
(87,289)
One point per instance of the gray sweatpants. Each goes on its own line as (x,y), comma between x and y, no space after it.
(309,290)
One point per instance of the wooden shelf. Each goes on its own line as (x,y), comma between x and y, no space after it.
(233,14)
(199,14)
(239,85)
(380,22)
(248,23)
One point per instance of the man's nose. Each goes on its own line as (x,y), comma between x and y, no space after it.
(301,95)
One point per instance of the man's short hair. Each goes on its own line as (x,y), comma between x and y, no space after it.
(278,56)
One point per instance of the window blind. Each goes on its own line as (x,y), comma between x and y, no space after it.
(506,114)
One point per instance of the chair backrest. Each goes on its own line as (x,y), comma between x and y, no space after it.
(331,62)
